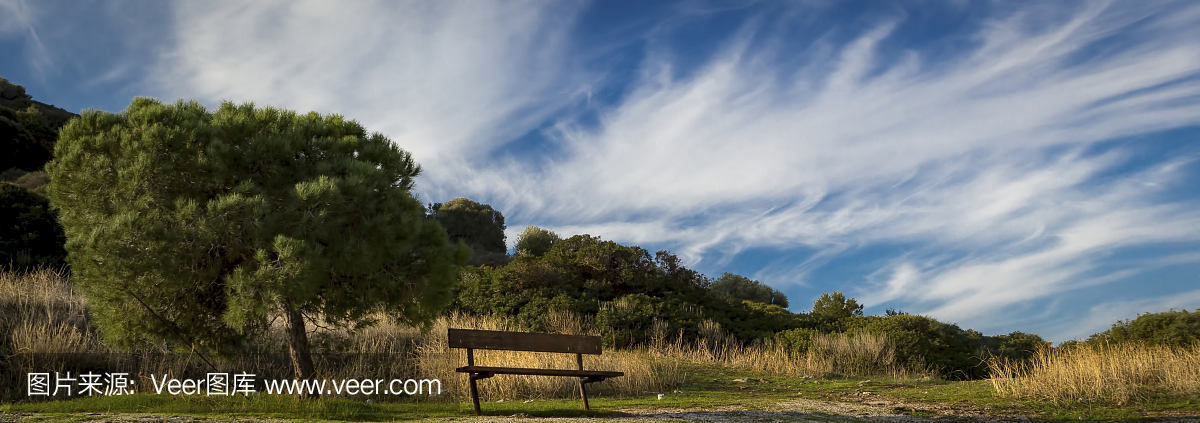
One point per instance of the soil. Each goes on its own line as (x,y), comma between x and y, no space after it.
(796,410)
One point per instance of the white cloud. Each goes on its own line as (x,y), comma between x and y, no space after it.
(18,17)
(448,81)
(986,161)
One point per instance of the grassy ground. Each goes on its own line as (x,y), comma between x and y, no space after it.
(712,379)
(705,388)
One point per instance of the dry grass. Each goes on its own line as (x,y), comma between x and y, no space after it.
(859,354)
(42,314)
(644,373)
(1111,373)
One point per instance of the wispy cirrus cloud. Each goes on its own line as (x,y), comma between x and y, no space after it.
(20,17)
(448,81)
(999,162)
(989,156)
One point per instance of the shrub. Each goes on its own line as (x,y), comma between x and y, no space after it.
(30,235)
(535,241)
(743,288)
(1174,328)
(924,342)
(796,341)
(836,306)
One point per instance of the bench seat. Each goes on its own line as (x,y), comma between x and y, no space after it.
(471,340)
(537,372)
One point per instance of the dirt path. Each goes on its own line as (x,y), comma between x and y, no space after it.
(797,410)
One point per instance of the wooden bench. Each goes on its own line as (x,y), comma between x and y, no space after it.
(473,340)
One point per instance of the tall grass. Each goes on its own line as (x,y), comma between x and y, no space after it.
(43,314)
(858,354)
(644,373)
(1111,373)
(43,318)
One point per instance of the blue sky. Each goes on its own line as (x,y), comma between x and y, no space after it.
(1004,166)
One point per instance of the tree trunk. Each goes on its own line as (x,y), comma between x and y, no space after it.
(302,365)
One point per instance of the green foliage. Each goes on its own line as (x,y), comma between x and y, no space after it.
(836,306)
(742,288)
(193,226)
(11,91)
(624,287)
(1175,328)
(922,340)
(535,241)
(798,341)
(1018,345)
(21,149)
(28,129)
(30,235)
(44,133)
(478,225)
(636,298)
(925,341)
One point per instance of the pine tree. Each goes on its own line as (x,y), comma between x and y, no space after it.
(194,226)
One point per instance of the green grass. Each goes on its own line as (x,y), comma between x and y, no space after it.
(705,387)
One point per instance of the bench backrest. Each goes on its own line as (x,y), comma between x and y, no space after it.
(522,341)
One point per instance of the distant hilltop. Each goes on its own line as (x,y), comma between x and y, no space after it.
(13,97)
(28,132)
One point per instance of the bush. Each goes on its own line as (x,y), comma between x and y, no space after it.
(625,287)
(835,306)
(797,341)
(742,288)
(924,342)
(478,225)
(1173,328)
(30,235)
(21,149)
(11,91)
(535,241)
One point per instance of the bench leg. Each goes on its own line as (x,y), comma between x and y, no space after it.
(583,393)
(475,397)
